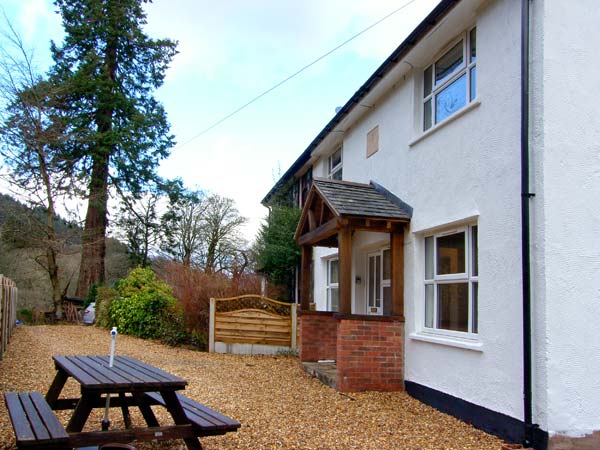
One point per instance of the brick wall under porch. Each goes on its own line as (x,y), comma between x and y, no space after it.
(368,349)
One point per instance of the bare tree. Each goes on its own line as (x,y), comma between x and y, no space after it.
(32,133)
(221,235)
(138,223)
(182,226)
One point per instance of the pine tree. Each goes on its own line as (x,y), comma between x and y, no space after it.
(108,69)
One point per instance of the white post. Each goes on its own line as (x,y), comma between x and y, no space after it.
(211,327)
(263,286)
(294,307)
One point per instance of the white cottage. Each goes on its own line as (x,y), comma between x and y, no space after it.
(450,226)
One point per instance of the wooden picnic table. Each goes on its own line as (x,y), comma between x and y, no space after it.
(131,383)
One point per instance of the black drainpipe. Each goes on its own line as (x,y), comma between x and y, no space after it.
(530,428)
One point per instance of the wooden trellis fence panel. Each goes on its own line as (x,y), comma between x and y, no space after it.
(252,319)
(8,311)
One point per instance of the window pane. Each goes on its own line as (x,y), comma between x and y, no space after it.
(427,81)
(475,293)
(337,175)
(387,265)
(335,159)
(453,306)
(473,42)
(377,281)
(473,92)
(427,115)
(429,305)
(334,299)
(333,271)
(451,254)
(451,99)
(474,251)
(371,284)
(448,64)
(387,300)
(429,258)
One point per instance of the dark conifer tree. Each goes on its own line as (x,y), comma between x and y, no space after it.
(108,70)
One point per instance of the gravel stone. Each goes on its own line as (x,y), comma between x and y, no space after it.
(278,405)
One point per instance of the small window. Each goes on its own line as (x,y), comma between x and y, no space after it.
(451,281)
(335,165)
(373,141)
(449,84)
(333,296)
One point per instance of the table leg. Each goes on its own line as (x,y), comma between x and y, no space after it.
(174,407)
(125,410)
(145,409)
(82,411)
(56,387)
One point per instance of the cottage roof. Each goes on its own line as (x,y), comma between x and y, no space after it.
(365,200)
(333,205)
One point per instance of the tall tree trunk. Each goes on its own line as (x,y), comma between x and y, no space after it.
(91,270)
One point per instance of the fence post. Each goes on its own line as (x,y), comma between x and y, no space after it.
(211,327)
(294,315)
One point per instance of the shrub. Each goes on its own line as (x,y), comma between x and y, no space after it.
(104,298)
(143,305)
(25,315)
(194,289)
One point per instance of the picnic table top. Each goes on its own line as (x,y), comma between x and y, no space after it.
(127,374)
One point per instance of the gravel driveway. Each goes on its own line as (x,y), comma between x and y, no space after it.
(279,406)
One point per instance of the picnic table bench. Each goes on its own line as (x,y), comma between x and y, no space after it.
(133,383)
(34,422)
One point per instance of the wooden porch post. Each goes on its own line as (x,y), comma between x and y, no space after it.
(345,265)
(305,277)
(397,255)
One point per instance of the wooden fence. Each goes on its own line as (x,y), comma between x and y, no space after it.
(252,319)
(8,311)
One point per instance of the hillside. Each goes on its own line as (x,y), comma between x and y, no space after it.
(22,256)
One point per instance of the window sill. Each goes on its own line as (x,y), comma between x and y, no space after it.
(474,104)
(449,341)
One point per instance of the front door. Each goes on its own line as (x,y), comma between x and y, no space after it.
(378,282)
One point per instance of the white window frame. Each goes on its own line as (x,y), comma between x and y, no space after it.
(469,277)
(466,68)
(329,286)
(333,170)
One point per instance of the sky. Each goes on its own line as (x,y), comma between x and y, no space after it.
(230,51)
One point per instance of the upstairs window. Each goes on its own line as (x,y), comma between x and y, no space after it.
(450,83)
(334,165)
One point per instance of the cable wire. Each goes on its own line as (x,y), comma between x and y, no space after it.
(298,72)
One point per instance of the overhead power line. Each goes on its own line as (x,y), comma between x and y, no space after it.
(293,75)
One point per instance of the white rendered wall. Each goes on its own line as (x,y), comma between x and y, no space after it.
(464,171)
(567,214)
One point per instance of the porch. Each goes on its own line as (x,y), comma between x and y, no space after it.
(363,340)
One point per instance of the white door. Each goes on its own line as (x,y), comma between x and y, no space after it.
(378,282)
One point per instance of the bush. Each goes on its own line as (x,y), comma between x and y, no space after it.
(143,305)
(104,298)
(194,289)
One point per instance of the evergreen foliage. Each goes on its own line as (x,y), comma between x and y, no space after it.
(277,253)
(108,70)
(144,307)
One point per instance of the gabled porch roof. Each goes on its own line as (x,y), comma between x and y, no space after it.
(333,204)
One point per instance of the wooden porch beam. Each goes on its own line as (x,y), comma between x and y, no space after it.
(305,263)
(345,265)
(321,232)
(397,256)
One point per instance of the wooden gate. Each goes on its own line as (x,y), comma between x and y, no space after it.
(252,319)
